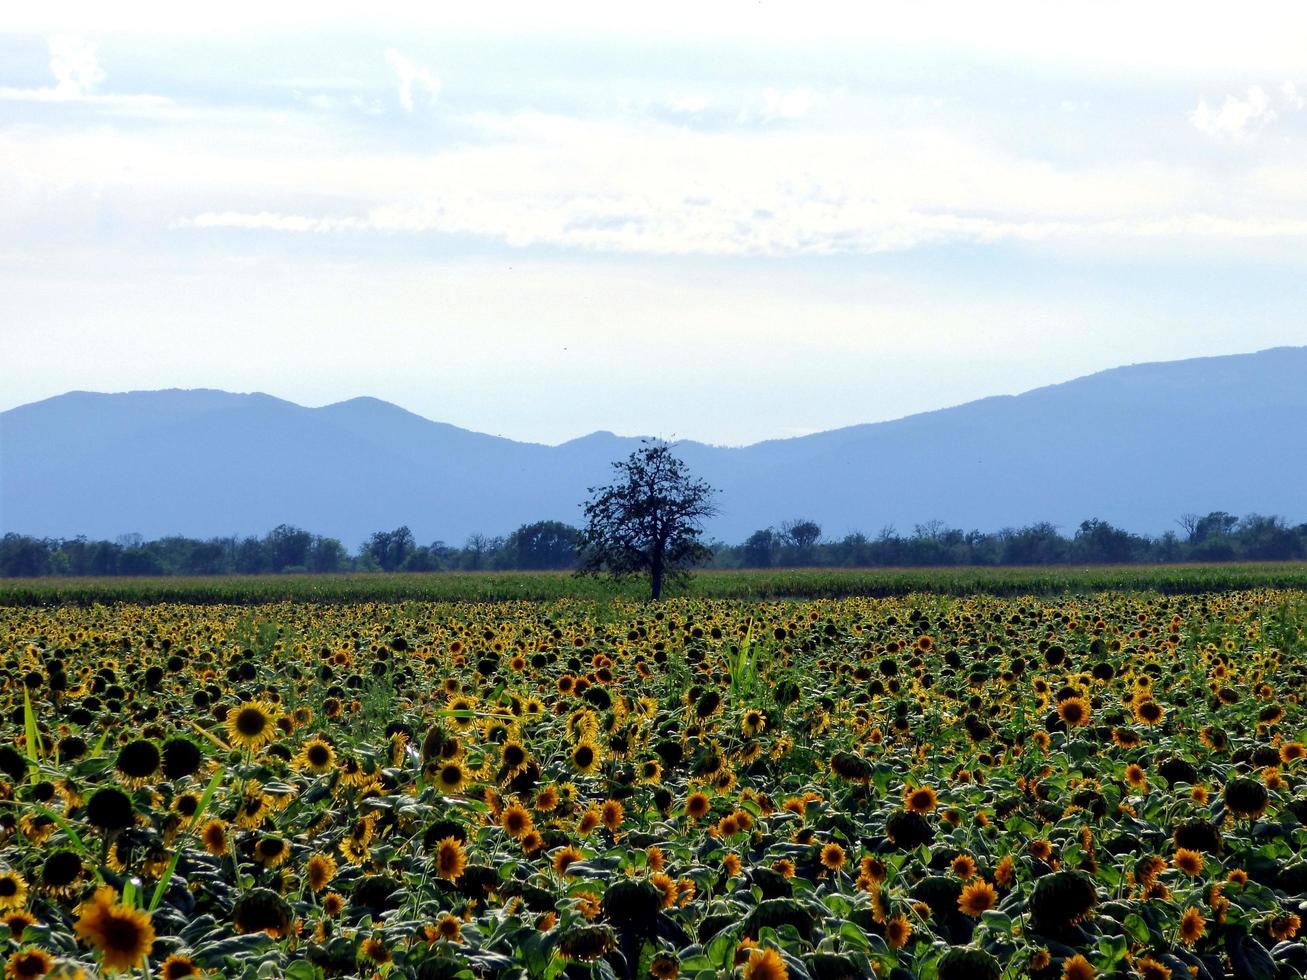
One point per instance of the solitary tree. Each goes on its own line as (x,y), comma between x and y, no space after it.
(648,520)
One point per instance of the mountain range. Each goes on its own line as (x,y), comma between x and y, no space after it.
(1135,445)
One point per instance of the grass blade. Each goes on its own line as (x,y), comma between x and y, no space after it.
(33,741)
(162,886)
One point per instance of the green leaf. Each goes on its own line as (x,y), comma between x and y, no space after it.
(852,934)
(1136,928)
(721,950)
(1113,948)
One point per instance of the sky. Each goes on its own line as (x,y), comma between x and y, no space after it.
(726,222)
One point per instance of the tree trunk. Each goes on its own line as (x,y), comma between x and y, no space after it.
(656,571)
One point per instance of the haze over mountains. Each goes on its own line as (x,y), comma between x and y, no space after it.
(1136,446)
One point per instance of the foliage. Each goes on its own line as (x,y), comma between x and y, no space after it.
(1217,537)
(722,584)
(969,787)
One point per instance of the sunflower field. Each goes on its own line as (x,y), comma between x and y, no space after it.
(961,788)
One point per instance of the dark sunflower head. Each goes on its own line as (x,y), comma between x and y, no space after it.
(138,761)
(61,869)
(110,809)
(181,758)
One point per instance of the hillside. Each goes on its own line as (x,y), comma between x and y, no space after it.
(1135,445)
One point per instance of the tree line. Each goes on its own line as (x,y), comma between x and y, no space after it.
(542,545)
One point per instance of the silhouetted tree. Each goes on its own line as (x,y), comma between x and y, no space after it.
(647,521)
(1099,541)
(760,548)
(288,547)
(544,544)
(390,549)
(1217,524)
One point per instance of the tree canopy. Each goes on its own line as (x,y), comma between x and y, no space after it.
(648,520)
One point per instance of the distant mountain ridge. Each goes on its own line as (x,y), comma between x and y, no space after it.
(1135,445)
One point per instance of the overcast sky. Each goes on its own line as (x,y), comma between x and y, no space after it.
(723,221)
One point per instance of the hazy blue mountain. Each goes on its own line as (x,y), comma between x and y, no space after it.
(1135,445)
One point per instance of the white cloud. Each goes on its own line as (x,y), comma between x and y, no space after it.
(77,72)
(74,66)
(413,78)
(790,105)
(689,105)
(1294,98)
(1236,118)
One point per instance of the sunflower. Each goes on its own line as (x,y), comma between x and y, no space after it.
(586,757)
(271,852)
(697,805)
(177,967)
(565,857)
(1078,968)
(665,966)
(765,964)
(977,897)
(1075,711)
(516,821)
(832,856)
(1192,926)
(650,773)
(586,942)
(1246,798)
(355,851)
(531,842)
(17,921)
(28,964)
(450,859)
(462,715)
(1126,738)
(920,799)
(1190,862)
(252,725)
(315,757)
(1149,712)
(262,910)
(213,835)
(110,809)
(320,869)
(137,762)
(753,722)
(254,808)
(448,928)
(546,800)
(451,777)
(898,930)
(375,950)
(1136,776)
(513,759)
(612,814)
(590,819)
(963,866)
(1284,927)
(1150,969)
(1005,873)
(13,890)
(122,935)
